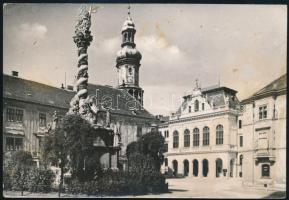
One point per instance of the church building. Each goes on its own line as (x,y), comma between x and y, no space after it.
(29,106)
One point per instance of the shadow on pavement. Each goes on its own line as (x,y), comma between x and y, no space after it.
(177,190)
(277,195)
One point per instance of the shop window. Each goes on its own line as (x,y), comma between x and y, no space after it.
(265,170)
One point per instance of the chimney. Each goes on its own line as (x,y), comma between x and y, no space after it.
(70,87)
(15,73)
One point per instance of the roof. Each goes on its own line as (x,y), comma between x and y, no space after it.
(278,85)
(213,93)
(218,88)
(31,91)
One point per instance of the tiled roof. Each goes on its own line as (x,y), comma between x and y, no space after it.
(31,91)
(276,85)
(26,90)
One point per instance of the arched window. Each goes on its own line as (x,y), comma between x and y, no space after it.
(129,36)
(166,161)
(175,167)
(219,134)
(195,167)
(206,136)
(190,109)
(186,167)
(125,37)
(205,167)
(219,167)
(196,137)
(196,105)
(176,139)
(232,167)
(186,138)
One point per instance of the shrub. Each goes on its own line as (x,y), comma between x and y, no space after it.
(121,183)
(7,179)
(20,179)
(41,180)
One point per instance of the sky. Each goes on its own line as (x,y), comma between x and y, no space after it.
(243,47)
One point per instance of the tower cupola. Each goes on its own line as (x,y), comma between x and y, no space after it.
(128,60)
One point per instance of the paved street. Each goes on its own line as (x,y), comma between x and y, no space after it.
(189,187)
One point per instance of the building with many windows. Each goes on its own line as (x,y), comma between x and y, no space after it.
(214,135)
(202,139)
(262,135)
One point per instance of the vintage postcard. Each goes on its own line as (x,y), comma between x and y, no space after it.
(144,100)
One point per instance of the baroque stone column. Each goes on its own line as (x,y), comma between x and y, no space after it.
(82,40)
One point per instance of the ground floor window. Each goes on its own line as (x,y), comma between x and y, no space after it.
(186,167)
(14,144)
(265,170)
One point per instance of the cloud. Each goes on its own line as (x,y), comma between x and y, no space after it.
(31,32)
(110,45)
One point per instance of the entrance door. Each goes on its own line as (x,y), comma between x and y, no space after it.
(205,167)
(175,167)
(219,167)
(195,167)
(186,167)
(232,161)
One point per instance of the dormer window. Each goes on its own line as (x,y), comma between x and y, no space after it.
(196,105)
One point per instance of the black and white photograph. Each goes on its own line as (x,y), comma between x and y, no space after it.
(126,100)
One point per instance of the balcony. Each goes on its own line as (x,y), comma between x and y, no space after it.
(265,155)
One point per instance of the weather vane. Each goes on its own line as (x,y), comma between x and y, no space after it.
(93,9)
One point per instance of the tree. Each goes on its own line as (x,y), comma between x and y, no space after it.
(22,164)
(151,144)
(145,157)
(71,143)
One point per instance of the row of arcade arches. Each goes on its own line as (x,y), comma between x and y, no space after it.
(203,166)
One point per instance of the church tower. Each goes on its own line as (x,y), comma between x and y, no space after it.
(128,61)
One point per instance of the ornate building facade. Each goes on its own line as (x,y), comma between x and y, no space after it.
(213,135)
(202,134)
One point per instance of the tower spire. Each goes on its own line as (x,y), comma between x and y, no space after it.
(128,60)
(128,10)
